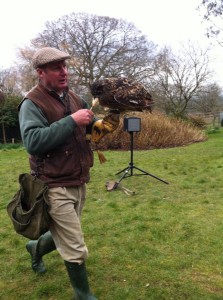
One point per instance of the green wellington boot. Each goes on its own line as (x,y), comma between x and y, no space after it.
(79,281)
(38,248)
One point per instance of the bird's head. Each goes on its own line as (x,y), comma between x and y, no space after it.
(96,89)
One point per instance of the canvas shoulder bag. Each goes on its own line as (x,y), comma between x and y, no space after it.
(28,209)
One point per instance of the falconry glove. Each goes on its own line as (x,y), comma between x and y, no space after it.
(106,125)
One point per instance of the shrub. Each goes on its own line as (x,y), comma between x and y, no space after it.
(11,146)
(157,131)
(197,121)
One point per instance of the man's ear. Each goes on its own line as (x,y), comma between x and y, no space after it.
(39,72)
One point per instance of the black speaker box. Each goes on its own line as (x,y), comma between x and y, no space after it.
(132,124)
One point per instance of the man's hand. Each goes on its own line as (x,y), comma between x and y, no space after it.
(83,117)
(107,125)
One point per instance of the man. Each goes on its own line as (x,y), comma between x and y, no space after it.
(54,122)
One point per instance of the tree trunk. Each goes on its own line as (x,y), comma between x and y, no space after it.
(3,133)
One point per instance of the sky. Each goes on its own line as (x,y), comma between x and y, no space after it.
(164,22)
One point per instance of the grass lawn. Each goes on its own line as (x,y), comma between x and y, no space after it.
(165,242)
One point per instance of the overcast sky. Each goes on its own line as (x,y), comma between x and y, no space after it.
(165,22)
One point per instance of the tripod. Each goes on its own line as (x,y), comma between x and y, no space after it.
(128,171)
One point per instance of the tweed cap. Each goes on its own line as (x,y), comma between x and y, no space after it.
(46,55)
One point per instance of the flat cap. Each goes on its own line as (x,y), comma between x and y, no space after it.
(46,55)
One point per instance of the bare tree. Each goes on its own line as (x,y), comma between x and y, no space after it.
(209,101)
(212,11)
(2,98)
(179,77)
(2,102)
(99,46)
(26,74)
(9,81)
(9,99)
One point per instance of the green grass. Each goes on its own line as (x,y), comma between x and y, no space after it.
(165,242)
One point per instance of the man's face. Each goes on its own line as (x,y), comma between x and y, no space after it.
(54,76)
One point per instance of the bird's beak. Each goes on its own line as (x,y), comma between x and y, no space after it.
(95,101)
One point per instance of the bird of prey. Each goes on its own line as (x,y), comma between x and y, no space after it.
(121,94)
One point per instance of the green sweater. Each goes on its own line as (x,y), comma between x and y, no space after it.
(37,135)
